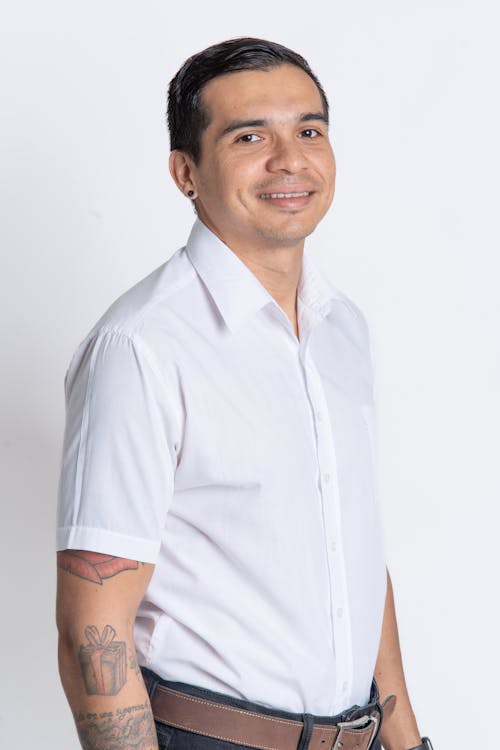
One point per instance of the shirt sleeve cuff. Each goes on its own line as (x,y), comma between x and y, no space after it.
(107,542)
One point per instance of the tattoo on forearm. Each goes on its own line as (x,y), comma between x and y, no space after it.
(134,666)
(93,566)
(103,661)
(129,728)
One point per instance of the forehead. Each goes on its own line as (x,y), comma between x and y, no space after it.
(286,89)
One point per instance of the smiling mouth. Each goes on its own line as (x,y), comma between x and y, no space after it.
(303,194)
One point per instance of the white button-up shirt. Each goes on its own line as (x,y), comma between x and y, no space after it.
(203,436)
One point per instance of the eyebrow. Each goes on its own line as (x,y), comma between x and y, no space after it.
(240,124)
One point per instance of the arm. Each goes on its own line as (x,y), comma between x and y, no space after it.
(399,727)
(97,600)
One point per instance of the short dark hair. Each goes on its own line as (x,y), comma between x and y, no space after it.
(186,116)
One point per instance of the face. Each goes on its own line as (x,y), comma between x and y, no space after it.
(266,176)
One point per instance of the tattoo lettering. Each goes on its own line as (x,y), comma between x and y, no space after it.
(93,566)
(103,661)
(129,728)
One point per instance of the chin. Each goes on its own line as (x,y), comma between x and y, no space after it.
(292,231)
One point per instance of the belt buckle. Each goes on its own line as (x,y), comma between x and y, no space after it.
(357,724)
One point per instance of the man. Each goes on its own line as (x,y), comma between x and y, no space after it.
(217,519)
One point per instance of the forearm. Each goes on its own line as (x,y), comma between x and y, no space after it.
(97,600)
(399,728)
(105,721)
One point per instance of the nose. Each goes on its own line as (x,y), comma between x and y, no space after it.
(286,156)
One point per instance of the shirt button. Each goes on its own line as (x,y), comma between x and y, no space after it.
(333,546)
(344,687)
(319,416)
(326,477)
(340,612)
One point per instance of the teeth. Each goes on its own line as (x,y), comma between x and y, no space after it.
(284,195)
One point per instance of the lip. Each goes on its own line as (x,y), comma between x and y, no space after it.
(288,202)
(287,188)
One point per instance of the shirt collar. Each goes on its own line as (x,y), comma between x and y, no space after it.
(236,290)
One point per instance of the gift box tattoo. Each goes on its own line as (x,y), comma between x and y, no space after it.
(103,661)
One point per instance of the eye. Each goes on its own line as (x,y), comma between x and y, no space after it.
(310,133)
(248,138)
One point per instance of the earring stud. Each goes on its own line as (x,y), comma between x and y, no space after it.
(190,193)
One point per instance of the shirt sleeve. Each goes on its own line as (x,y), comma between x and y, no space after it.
(118,461)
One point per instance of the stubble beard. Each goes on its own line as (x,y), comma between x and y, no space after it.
(287,234)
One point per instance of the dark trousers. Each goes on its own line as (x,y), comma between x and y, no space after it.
(180,739)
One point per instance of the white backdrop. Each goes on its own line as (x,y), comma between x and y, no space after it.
(88,208)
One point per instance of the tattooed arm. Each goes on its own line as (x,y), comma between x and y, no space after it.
(97,600)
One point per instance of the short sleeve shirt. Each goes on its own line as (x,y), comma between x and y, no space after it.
(204,436)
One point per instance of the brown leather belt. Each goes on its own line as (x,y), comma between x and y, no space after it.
(255,729)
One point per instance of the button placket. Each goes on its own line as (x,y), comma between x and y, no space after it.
(330,500)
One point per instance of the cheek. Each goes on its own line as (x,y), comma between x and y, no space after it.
(327,164)
(222,183)
(212,183)
(243,174)
(329,173)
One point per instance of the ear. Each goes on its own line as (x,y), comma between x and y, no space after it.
(182,171)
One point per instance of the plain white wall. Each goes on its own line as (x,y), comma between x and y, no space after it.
(88,208)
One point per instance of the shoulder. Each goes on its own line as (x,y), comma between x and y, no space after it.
(342,309)
(146,305)
(138,307)
(129,330)
(350,314)
(361,331)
